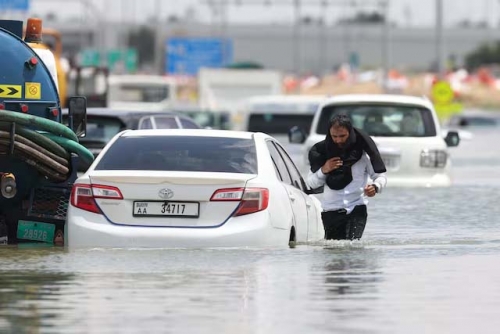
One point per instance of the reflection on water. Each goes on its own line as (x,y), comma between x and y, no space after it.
(351,272)
(428,263)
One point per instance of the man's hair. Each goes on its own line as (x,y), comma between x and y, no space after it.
(341,120)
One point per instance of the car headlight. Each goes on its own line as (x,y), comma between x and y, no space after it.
(433,158)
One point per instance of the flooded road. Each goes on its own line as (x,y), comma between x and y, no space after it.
(429,262)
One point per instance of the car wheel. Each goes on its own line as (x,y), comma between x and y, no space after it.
(293,241)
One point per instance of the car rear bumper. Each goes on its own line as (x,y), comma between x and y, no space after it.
(431,181)
(86,230)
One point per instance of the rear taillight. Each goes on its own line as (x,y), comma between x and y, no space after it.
(106,192)
(433,158)
(251,199)
(83,196)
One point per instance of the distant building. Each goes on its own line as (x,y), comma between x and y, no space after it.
(310,49)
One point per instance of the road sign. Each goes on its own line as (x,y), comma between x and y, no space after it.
(90,58)
(444,100)
(186,55)
(442,93)
(21,5)
(11,91)
(125,59)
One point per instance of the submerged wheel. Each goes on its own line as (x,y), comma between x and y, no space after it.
(293,240)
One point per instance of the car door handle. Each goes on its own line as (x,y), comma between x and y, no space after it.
(308,205)
(292,198)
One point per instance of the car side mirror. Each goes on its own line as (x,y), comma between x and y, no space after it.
(315,191)
(296,135)
(452,138)
(77,115)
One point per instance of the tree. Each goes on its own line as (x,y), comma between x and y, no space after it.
(364,18)
(51,17)
(485,54)
(173,19)
(143,40)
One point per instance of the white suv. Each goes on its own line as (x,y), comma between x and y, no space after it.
(405,128)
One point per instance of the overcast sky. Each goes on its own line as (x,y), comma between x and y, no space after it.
(404,12)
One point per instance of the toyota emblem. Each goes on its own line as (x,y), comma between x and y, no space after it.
(166,193)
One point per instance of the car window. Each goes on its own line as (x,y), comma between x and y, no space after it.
(298,107)
(181,153)
(138,92)
(278,175)
(386,120)
(187,124)
(145,123)
(165,122)
(473,121)
(297,179)
(278,123)
(102,128)
(280,164)
(213,119)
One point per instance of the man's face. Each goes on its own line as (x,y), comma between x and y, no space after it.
(340,135)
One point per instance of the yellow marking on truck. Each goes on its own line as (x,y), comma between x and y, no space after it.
(11,91)
(33,90)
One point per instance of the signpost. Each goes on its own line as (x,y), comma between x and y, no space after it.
(90,58)
(186,55)
(14,5)
(443,98)
(124,60)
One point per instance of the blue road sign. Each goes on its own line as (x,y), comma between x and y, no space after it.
(21,5)
(186,55)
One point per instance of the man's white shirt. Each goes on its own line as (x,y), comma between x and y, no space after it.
(353,193)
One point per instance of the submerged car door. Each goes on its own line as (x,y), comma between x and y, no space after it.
(292,185)
(312,223)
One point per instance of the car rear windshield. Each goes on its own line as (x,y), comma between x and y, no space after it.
(278,124)
(474,121)
(384,120)
(181,153)
(139,92)
(102,129)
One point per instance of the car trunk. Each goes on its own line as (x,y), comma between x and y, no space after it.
(401,155)
(168,199)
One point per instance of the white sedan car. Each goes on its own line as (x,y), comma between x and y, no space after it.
(192,188)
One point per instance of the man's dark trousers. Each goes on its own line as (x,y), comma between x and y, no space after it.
(342,226)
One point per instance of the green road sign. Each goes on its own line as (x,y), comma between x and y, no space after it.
(122,59)
(126,58)
(90,58)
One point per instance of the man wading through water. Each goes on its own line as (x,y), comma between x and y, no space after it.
(342,163)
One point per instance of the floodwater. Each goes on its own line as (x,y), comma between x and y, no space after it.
(429,262)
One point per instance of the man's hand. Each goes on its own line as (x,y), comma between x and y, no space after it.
(370,190)
(331,164)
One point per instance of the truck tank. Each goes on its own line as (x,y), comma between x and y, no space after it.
(38,154)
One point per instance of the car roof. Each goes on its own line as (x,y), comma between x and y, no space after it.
(124,113)
(140,79)
(292,98)
(477,113)
(379,98)
(189,133)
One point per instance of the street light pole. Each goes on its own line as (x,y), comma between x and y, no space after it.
(439,38)
(296,37)
(323,41)
(386,45)
(159,39)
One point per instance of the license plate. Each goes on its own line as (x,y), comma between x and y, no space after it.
(35,231)
(390,162)
(169,209)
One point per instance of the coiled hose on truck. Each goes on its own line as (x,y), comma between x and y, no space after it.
(44,144)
